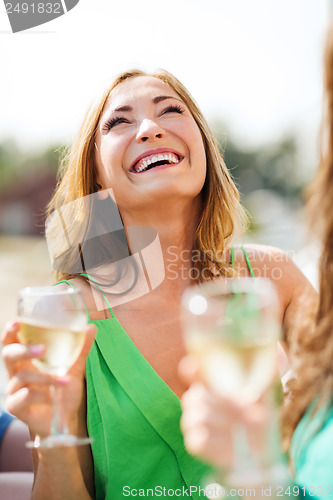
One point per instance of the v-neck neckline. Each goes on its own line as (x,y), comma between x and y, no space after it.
(148,391)
(134,348)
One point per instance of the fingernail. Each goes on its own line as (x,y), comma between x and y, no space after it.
(15,324)
(63,380)
(37,349)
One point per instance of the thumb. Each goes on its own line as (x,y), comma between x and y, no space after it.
(90,337)
(188,369)
(89,340)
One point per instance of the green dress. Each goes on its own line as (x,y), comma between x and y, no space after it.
(133,417)
(311,452)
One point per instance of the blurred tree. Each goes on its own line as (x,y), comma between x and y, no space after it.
(16,166)
(10,159)
(273,166)
(27,182)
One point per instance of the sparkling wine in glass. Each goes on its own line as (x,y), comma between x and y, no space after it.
(55,317)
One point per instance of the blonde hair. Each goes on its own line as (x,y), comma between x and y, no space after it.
(314,371)
(223,218)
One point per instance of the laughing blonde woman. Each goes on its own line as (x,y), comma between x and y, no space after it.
(146,150)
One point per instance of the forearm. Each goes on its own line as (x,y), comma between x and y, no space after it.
(62,475)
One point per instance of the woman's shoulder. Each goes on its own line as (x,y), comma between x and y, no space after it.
(258,253)
(293,288)
(94,300)
(266,261)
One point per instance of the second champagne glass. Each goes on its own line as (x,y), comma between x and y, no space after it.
(232,327)
(56,318)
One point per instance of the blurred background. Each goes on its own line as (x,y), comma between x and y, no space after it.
(255,69)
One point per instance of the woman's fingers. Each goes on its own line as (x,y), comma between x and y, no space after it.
(205,427)
(209,420)
(9,333)
(188,369)
(201,404)
(90,337)
(80,363)
(21,402)
(28,378)
(214,447)
(201,408)
(14,355)
(29,389)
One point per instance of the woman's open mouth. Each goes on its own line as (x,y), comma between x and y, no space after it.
(156,160)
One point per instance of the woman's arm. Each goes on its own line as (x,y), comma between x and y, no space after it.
(64,473)
(60,473)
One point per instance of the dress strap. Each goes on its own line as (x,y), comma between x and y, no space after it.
(103,295)
(232,256)
(248,261)
(89,277)
(71,284)
(64,281)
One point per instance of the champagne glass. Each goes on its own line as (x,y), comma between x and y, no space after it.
(232,327)
(56,318)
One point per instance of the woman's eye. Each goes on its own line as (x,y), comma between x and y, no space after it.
(173,109)
(112,122)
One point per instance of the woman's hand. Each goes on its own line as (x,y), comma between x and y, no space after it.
(209,420)
(28,389)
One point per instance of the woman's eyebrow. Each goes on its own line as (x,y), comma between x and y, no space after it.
(160,98)
(123,108)
(156,100)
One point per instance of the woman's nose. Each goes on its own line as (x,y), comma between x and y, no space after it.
(149,130)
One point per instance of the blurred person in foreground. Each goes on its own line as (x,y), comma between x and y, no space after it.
(307,417)
(16,472)
(147,147)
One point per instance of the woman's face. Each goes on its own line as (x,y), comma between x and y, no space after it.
(148,145)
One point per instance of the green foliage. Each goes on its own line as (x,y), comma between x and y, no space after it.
(16,166)
(10,158)
(273,166)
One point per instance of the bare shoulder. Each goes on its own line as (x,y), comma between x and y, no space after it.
(93,299)
(267,261)
(295,292)
(277,265)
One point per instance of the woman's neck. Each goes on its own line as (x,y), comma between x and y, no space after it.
(175,228)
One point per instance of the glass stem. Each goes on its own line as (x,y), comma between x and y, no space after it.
(57,425)
(242,455)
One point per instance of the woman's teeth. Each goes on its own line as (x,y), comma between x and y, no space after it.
(153,161)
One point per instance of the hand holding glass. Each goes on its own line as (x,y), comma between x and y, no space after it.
(232,327)
(56,318)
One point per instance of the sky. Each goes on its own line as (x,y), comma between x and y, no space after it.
(254,65)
